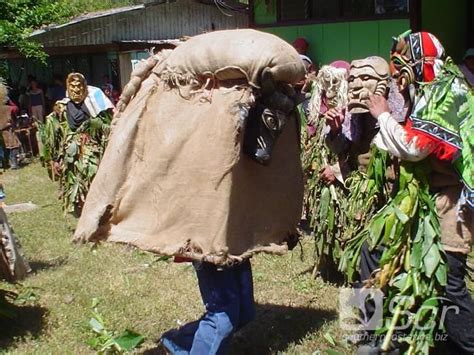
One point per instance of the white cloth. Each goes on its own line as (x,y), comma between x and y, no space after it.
(96,101)
(392,137)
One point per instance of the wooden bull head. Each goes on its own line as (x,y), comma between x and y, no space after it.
(267,118)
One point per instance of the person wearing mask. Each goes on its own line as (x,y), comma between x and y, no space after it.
(420,58)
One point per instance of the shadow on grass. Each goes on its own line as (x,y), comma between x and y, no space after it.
(27,321)
(274,329)
(327,272)
(40,265)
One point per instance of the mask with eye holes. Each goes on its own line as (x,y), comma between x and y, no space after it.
(367,77)
(266,119)
(262,129)
(263,125)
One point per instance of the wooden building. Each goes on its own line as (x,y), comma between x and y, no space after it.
(108,42)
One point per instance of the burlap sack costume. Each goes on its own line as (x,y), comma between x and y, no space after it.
(230,55)
(174,179)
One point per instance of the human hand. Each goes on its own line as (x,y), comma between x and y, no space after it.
(85,138)
(310,78)
(334,118)
(327,175)
(56,168)
(377,105)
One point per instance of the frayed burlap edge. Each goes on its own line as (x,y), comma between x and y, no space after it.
(221,258)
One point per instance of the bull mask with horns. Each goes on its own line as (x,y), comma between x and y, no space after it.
(267,118)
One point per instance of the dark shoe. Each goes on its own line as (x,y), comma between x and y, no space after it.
(171,347)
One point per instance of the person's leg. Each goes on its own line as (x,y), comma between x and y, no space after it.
(230,290)
(2,155)
(369,262)
(220,291)
(459,319)
(180,341)
(368,342)
(247,302)
(14,152)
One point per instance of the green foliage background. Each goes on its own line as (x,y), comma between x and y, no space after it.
(18,18)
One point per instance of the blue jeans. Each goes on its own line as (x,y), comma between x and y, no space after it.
(228,297)
(2,155)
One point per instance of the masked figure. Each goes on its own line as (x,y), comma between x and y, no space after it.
(73,139)
(203,164)
(329,90)
(77,91)
(369,76)
(415,58)
(433,148)
(266,120)
(351,139)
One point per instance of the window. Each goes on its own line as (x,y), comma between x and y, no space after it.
(294,10)
(309,9)
(297,10)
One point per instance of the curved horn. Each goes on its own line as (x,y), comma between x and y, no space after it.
(267,82)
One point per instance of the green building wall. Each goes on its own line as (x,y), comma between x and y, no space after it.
(448,20)
(334,41)
(345,40)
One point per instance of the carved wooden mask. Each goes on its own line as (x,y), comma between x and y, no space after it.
(76,87)
(369,76)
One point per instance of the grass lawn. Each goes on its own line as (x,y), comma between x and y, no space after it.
(139,291)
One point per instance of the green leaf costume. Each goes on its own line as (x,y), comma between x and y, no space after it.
(78,153)
(444,113)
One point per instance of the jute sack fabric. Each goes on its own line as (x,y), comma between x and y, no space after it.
(114,167)
(174,180)
(186,188)
(232,54)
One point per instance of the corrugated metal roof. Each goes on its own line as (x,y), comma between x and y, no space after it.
(173,19)
(89,16)
(153,41)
